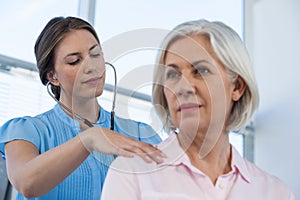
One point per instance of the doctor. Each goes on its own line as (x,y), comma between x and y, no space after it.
(50,156)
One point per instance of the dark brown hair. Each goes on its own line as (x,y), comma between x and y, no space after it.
(49,38)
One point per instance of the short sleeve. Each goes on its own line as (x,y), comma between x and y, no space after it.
(19,129)
(2,150)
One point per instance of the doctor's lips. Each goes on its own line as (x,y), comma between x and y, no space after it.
(93,81)
(188,107)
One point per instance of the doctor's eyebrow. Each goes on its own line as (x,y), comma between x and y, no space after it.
(94,46)
(78,53)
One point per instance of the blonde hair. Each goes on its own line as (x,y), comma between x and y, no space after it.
(232,53)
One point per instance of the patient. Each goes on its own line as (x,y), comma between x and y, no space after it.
(204,81)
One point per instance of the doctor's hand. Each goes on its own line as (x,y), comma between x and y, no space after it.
(109,142)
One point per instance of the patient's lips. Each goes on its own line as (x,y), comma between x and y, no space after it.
(189,107)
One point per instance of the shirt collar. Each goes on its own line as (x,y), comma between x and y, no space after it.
(239,163)
(103,116)
(176,156)
(65,118)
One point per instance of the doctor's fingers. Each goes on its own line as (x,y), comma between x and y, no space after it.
(110,142)
(146,151)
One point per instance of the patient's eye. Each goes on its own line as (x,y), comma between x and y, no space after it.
(172,73)
(202,70)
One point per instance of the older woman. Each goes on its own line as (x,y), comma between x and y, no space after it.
(203,88)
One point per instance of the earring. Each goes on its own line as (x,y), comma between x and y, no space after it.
(235,97)
(54,78)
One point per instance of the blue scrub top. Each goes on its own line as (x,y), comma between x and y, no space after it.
(55,127)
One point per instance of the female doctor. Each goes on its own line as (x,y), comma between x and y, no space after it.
(50,156)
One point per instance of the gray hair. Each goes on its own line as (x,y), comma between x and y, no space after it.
(231,52)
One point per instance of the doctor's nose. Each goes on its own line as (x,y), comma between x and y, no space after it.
(89,65)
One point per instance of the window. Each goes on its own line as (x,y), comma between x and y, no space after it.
(22,21)
(22,94)
(130,38)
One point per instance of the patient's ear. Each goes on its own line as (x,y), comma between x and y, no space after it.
(52,78)
(239,89)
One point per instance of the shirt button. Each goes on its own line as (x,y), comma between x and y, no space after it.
(221,186)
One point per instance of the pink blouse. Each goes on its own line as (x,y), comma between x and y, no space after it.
(177,178)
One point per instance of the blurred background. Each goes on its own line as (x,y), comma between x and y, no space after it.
(130,32)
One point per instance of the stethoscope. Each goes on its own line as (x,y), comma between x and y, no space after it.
(85,121)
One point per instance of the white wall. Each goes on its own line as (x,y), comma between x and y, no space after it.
(276,57)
